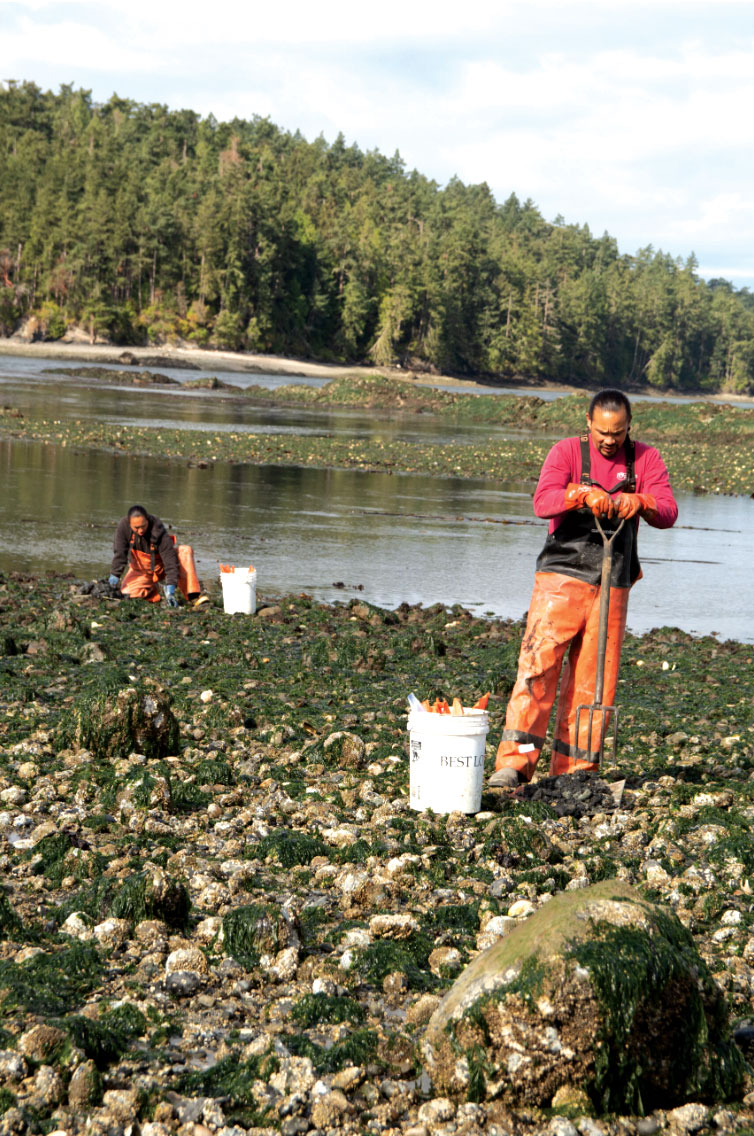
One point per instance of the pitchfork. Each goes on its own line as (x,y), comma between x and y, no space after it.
(597,706)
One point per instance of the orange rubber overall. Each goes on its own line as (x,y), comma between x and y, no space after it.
(140,583)
(564,610)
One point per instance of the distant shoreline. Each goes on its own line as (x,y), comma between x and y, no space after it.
(251,363)
(248,362)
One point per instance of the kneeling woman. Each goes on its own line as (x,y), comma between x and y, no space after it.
(143,543)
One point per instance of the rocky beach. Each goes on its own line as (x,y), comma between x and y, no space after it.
(219,912)
(220,915)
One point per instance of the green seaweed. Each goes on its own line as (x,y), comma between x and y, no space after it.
(52,983)
(211,771)
(135,901)
(409,957)
(455,917)
(517,842)
(93,900)
(91,724)
(290,848)
(107,1038)
(10,922)
(187,797)
(7,1100)
(357,1049)
(313,1009)
(311,920)
(250,931)
(476,1059)
(51,852)
(632,971)
(233,1081)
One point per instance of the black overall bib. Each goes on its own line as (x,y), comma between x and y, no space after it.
(575,548)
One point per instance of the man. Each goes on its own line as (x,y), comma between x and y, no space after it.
(142,541)
(603,474)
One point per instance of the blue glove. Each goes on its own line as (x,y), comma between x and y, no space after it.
(170,595)
(113,581)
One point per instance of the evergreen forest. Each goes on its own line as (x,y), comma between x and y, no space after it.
(146,225)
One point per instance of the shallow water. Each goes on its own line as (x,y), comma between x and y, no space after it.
(386,538)
(37,394)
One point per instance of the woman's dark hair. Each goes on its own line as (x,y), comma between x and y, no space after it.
(614,400)
(137,511)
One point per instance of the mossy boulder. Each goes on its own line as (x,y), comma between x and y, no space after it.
(139,719)
(344,750)
(256,929)
(598,989)
(152,894)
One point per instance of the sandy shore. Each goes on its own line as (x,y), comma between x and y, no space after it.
(111,355)
(251,363)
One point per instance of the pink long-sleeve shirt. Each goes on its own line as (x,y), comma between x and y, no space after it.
(563,466)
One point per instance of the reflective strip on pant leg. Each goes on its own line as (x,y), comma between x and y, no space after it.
(519,750)
(520,737)
(571,752)
(552,622)
(576,758)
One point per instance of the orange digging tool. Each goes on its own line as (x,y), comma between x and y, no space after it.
(607,716)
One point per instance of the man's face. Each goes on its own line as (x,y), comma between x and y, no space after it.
(608,429)
(139,525)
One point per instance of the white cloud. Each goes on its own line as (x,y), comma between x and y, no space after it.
(71,44)
(726,272)
(626,114)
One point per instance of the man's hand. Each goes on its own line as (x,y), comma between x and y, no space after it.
(113,580)
(589,497)
(629,504)
(170,595)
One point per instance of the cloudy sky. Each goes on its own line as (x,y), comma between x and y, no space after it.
(631,116)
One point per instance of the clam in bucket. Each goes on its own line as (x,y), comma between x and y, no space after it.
(239,589)
(447,760)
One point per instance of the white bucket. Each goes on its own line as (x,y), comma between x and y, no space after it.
(239,591)
(447,760)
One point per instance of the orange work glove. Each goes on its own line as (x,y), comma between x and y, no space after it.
(629,504)
(589,497)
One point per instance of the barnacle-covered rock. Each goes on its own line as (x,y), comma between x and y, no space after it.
(599,988)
